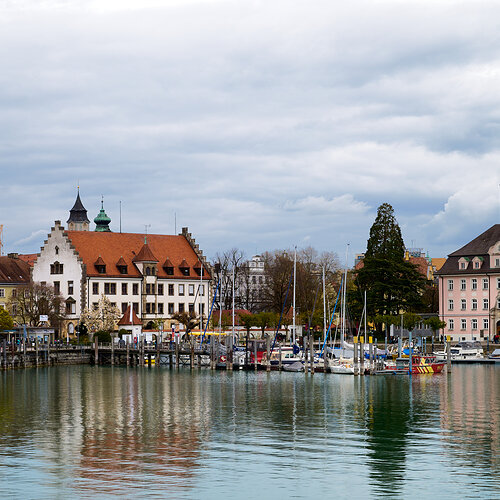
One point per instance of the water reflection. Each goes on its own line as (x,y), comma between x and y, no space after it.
(94,431)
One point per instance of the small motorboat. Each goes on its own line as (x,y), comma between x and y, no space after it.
(296,366)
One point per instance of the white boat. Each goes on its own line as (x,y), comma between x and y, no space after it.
(288,356)
(463,350)
(342,366)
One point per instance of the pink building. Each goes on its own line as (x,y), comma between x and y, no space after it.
(469,289)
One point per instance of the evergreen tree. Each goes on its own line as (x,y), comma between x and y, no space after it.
(393,284)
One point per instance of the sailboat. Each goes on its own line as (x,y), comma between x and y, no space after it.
(343,362)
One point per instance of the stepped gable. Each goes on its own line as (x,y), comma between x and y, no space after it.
(14,270)
(125,319)
(478,247)
(111,246)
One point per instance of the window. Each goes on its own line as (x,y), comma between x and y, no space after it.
(135,307)
(486,323)
(95,305)
(463,304)
(101,269)
(191,307)
(184,271)
(462,265)
(450,285)
(148,273)
(2,292)
(124,307)
(135,288)
(70,308)
(109,288)
(95,288)
(463,284)
(497,262)
(181,290)
(254,280)
(150,289)
(473,324)
(450,304)
(476,264)
(170,308)
(474,304)
(14,309)
(70,288)
(485,283)
(451,324)
(169,270)
(474,283)
(170,289)
(160,308)
(124,288)
(14,293)
(148,308)
(181,308)
(160,289)
(498,304)
(191,289)
(498,283)
(486,304)
(122,269)
(57,287)
(57,250)
(113,304)
(56,268)
(463,324)
(201,289)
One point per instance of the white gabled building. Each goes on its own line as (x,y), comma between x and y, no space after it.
(158,275)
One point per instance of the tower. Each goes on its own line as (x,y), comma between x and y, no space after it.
(102,220)
(78,220)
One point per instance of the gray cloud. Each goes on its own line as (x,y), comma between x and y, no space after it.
(261,124)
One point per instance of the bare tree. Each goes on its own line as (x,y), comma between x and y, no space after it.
(223,265)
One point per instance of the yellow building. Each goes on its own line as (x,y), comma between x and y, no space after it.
(14,272)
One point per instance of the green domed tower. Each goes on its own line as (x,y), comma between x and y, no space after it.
(102,220)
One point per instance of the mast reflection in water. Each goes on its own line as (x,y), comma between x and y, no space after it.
(103,431)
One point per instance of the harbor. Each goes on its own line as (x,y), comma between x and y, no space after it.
(102,431)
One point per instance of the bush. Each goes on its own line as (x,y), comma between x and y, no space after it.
(102,337)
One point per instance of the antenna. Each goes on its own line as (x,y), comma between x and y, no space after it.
(146,231)
(120,216)
(175,222)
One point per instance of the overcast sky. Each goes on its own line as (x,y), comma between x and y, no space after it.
(261,124)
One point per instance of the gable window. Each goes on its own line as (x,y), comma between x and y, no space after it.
(474,283)
(70,288)
(56,268)
(57,250)
(463,284)
(101,269)
(122,269)
(476,264)
(450,285)
(462,265)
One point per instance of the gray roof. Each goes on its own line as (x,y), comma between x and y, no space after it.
(78,213)
(478,247)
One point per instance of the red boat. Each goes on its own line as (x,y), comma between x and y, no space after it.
(421,363)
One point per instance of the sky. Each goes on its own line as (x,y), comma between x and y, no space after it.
(259,125)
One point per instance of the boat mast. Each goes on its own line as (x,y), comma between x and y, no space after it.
(294,284)
(342,330)
(232,329)
(324,307)
(365,317)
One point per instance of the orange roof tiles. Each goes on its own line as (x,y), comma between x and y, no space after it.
(111,246)
(145,255)
(125,319)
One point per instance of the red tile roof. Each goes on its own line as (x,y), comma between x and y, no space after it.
(14,271)
(111,246)
(29,258)
(145,255)
(125,320)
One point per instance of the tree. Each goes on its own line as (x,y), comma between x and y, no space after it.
(393,284)
(6,322)
(35,299)
(434,323)
(223,265)
(188,319)
(103,318)
(265,320)
(248,320)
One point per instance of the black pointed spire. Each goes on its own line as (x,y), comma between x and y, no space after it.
(78,220)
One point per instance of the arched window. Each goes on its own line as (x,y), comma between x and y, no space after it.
(71,328)
(148,271)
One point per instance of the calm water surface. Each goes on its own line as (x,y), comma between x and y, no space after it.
(97,432)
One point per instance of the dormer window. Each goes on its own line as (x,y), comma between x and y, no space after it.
(197,268)
(184,268)
(463,263)
(100,265)
(121,265)
(56,268)
(168,266)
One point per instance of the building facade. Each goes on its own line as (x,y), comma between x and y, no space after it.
(14,273)
(158,275)
(469,289)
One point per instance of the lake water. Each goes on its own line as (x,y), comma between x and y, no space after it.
(97,432)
